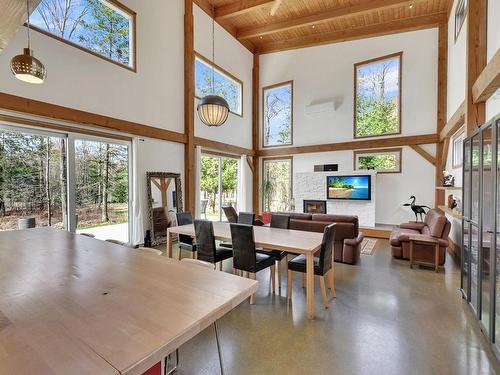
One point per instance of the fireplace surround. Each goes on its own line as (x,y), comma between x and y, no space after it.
(314,206)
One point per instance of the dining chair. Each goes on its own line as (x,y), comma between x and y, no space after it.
(205,244)
(186,242)
(245,256)
(231,214)
(246,218)
(280,221)
(323,265)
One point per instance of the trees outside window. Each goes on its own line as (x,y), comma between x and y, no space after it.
(377,96)
(382,161)
(278,114)
(103,27)
(277,184)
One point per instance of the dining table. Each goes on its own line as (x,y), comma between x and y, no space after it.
(71,304)
(268,238)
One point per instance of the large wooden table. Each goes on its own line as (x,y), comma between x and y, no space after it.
(70,304)
(292,241)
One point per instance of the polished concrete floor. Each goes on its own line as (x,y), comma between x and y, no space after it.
(386,319)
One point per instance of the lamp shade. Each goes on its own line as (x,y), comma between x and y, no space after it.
(213,110)
(27,68)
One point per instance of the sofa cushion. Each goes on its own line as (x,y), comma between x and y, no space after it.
(401,234)
(352,221)
(308,225)
(299,216)
(436,221)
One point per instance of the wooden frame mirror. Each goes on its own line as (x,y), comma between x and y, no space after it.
(164,201)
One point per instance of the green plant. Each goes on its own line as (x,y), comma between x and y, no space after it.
(268,189)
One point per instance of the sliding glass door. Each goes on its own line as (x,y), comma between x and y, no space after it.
(218,185)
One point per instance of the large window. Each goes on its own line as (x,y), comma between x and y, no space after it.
(278,114)
(103,27)
(218,185)
(277,184)
(66,181)
(224,84)
(460,14)
(382,161)
(377,96)
(458,149)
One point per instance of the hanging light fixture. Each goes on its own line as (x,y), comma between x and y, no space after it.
(25,67)
(213,110)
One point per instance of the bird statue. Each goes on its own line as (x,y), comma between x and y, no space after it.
(417,210)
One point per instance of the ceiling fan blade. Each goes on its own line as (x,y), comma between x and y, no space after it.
(276,5)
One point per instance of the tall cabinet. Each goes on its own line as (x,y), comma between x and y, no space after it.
(480,282)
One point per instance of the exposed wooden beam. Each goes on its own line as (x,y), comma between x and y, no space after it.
(239,7)
(431,159)
(189,151)
(321,17)
(475,113)
(353,145)
(14,15)
(454,123)
(223,147)
(392,27)
(488,81)
(255,133)
(38,108)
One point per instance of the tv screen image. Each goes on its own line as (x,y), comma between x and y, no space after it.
(349,187)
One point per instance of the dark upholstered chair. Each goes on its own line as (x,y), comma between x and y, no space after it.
(246,218)
(231,214)
(205,244)
(323,265)
(280,221)
(185,242)
(245,256)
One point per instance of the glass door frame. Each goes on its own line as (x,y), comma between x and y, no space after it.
(465,289)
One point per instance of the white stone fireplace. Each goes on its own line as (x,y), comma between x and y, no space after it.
(312,186)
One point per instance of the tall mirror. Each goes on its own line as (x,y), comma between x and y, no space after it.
(164,201)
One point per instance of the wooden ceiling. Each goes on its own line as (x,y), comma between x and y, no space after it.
(302,23)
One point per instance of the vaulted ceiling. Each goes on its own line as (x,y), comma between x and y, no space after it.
(302,23)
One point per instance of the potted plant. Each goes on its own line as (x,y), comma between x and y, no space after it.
(267,192)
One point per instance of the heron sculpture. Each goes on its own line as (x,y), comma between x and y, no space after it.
(417,210)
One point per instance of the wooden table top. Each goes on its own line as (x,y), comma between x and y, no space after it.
(294,241)
(70,304)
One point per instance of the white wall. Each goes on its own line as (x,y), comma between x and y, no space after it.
(327,73)
(233,57)
(493,44)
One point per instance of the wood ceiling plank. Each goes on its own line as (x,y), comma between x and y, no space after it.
(240,7)
(321,17)
(488,81)
(391,27)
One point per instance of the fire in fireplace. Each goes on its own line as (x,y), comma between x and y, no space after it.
(314,207)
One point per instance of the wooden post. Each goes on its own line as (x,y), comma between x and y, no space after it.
(189,154)
(255,132)
(475,114)
(442,108)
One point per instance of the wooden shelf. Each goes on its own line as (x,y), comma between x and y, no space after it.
(448,187)
(450,212)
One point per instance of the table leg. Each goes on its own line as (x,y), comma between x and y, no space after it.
(310,285)
(170,241)
(411,254)
(436,256)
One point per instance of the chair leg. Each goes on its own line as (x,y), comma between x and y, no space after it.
(323,291)
(193,255)
(220,265)
(180,254)
(273,278)
(219,348)
(303,280)
(289,285)
(280,265)
(251,276)
(331,281)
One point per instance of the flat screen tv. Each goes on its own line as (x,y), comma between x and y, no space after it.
(355,187)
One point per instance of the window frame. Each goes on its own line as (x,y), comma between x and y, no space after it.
(224,73)
(277,158)
(457,136)
(399,55)
(380,151)
(458,28)
(132,40)
(281,84)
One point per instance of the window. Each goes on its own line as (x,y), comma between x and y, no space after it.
(382,161)
(277,184)
(377,96)
(458,149)
(460,14)
(218,185)
(103,27)
(278,114)
(225,85)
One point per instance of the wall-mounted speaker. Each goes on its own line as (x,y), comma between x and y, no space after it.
(326,168)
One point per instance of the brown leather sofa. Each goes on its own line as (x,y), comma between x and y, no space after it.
(435,225)
(347,244)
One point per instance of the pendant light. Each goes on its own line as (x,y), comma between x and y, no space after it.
(25,67)
(213,110)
